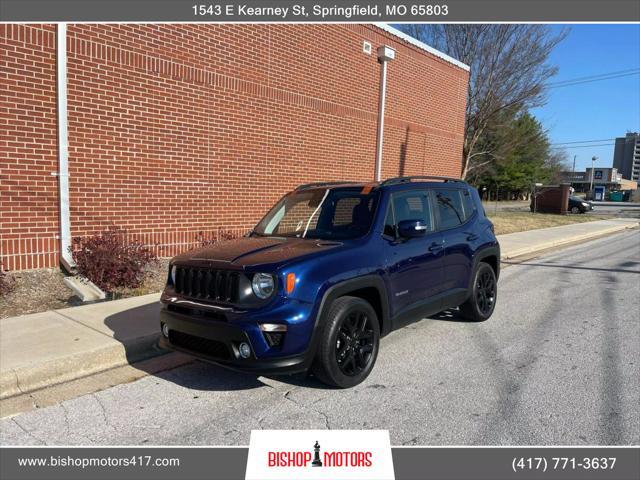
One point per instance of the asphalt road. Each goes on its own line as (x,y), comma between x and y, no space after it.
(557,363)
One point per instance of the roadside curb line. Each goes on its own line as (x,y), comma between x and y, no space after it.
(29,378)
(567,241)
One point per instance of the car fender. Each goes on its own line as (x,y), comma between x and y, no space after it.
(342,288)
(484,252)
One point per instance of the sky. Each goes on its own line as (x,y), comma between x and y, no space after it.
(595,110)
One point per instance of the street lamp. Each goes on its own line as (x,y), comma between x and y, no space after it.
(593,162)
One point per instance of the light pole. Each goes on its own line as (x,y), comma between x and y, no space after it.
(385,54)
(593,162)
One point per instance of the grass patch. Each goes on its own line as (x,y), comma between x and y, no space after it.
(511,222)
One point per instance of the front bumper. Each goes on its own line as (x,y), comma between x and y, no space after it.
(218,342)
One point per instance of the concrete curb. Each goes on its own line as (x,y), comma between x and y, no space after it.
(540,247)
(33,377)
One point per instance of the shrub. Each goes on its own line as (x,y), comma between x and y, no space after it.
(112,261)
(219,236)
(6,284)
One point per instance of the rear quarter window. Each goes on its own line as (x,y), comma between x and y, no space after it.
(468,204)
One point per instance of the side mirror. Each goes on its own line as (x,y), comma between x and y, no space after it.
(412,228)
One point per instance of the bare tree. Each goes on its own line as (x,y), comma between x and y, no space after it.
(509,69)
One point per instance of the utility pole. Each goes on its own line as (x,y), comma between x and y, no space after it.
(573,170)
(593,162)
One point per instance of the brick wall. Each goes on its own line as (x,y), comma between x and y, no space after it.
(176,130)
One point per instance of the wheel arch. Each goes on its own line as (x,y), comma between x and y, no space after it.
(370,288)
(490,255)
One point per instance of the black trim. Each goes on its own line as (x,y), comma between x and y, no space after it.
(493,250)
(344,288)
(401,180)
(429,306)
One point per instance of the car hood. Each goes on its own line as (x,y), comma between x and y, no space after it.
(250,251)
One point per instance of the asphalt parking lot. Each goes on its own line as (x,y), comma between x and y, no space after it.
(556,364)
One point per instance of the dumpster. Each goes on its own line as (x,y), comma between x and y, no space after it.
(616,196)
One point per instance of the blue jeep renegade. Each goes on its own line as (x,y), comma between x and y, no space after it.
(328,271)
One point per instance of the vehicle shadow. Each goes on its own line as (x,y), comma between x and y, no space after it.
(138,330)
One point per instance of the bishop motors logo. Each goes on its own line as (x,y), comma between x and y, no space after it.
(320,454)
(302,458)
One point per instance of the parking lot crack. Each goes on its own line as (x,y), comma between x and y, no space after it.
(30,434)
(103,410)
(308,408)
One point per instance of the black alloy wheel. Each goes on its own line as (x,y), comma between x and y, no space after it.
(354,345)
(348,343)
(485,291)
(481,302)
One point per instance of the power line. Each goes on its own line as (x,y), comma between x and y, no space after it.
(585,146)
(588,77)
(595,78)
(584,141)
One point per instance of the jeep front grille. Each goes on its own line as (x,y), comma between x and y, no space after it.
(215,285)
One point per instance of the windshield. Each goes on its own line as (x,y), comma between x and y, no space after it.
(328,214)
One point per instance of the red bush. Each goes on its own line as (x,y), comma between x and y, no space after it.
(112,261)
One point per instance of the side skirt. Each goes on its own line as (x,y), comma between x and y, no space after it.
(431,306)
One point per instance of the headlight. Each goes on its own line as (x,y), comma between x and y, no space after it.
(172,272)
(263,285)
(585,204)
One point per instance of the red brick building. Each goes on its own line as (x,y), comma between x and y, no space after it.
(212,123)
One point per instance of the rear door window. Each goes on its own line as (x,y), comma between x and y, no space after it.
(450,208)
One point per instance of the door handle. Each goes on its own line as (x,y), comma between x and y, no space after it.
(435,246)
(471,236)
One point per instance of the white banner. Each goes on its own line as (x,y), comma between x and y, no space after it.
(320,454)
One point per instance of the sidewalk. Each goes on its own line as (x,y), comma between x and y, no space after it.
(524,243)
(52,347)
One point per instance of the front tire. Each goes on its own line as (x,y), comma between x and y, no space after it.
(575,210)
(480,305)
(349,343)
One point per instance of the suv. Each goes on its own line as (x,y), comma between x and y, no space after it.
(331,269)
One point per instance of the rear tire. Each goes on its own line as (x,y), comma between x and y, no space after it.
(480,305)
(349,343)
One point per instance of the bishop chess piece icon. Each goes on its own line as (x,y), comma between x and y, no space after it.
(316,455)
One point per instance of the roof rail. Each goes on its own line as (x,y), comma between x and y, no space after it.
(322,184)
(399,180)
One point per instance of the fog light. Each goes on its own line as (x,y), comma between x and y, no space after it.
(245,350)
(165,330)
